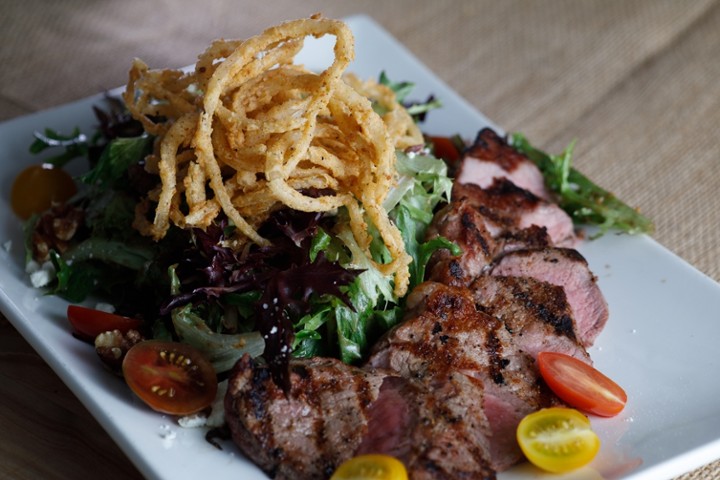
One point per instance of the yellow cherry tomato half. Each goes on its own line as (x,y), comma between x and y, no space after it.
(371,467)
(557,439)
(37,187)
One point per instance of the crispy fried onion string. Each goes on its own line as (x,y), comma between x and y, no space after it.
(248,132)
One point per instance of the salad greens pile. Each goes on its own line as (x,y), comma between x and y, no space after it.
(313,291)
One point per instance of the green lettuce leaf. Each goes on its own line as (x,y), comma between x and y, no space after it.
(586,202)
(116,158)
(223,350)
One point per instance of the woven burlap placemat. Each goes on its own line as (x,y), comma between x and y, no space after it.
(635,83)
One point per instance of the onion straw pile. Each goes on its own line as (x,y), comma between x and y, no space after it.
(248,132)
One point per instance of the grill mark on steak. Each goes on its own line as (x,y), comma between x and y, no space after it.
(507,207)
(536,313)
(470,225)
(533,236)
(491,157)
(486,223)
(501,200)
(563,324)
(493,347)
(545,301)
(335,411)
(461,223)
(568,269)
(478,346)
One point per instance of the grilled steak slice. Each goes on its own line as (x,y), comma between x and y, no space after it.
(509,208)
(567,268)
(444,335)
(486,223)
(491,157)
(531,237)
(463,224)
(536,313)
(335,411)
(306,434)
(438,435)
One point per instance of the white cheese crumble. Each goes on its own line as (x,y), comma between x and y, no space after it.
(40,275)
(105,307)
(32,266)
(196,420)
(168,435)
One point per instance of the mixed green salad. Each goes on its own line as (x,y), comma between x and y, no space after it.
(311,292)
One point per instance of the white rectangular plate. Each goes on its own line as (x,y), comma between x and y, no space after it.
(660,342)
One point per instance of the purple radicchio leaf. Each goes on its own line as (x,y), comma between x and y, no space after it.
(282,271)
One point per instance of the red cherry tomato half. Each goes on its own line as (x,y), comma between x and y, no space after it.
(445,148)
(581,385)
(37,187)
(88,323)
(170,377)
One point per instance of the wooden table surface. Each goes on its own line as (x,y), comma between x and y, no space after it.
(635,82)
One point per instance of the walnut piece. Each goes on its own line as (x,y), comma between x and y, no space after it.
(54,230)
(112,346)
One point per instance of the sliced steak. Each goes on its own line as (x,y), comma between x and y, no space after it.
(491,157)
(510,208)
(531,237)
(334,411)
(536,313)
(438,435)
(486,223)
(463,224)
(306,434)
(567,268)
(443,336)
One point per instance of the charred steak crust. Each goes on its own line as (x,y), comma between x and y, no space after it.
(335,411)
(536,313)
(445,335)
(500,201)
(309,432)
(532,237)
(490,146)
(567,268)
(510,208)
(487,223)
(490,157)
(460,222)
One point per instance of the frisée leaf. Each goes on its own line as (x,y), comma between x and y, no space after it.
(416,109)
(585,201)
